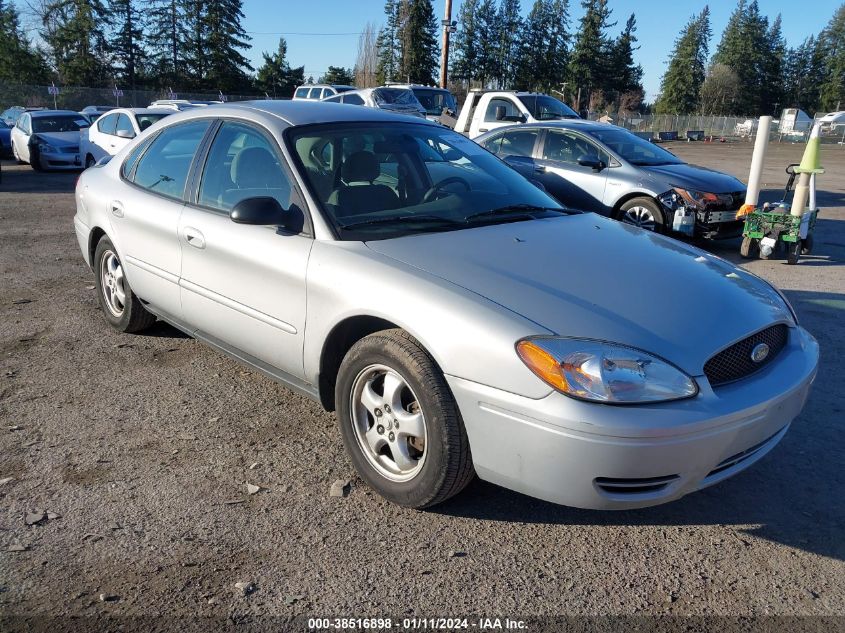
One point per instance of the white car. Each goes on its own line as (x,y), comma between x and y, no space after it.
(111,132)
(315,92)
(48,139)
(398,100)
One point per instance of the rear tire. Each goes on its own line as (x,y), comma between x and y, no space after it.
(644,213)
(407,442)
(122,309)
(793,252)
(807,245)
(749,248)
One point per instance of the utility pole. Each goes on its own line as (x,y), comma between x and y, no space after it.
(448,29)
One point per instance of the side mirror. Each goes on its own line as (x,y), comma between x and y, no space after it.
(592,161)
(522,118)
(500,113)
(260,211)
(125,134)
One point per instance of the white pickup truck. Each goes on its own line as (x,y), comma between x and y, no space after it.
(485,110)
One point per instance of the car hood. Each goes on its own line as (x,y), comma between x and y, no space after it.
(694,177)
(59,139)
(589,277)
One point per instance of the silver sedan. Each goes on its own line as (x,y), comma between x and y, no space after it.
(457,319)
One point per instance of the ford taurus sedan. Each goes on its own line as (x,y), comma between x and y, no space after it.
(607,169)
(457,318)
(48,139)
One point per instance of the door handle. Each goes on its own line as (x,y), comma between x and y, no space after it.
(116,209)
(194,237)
(483,129)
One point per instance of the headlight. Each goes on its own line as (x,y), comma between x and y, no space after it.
(677,196)
(604,372)
(44,148)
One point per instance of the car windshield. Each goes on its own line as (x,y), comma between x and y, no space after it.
(395,96)
(387,180)
(58,123)
(435,100)
(546,108)
(632,148)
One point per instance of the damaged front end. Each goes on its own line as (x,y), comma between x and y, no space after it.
(702,214)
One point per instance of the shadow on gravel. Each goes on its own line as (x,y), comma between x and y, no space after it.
(24,179)
(162,330)
(793,496)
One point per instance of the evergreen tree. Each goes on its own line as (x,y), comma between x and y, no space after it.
(625,76)
(194,46)
(831,45)
(532,71)
(418,63)
(772,70)
(804,74)
(556,58)
(276,77)
(225,38)
(744,49)
(588,64)
(337,75)
(681,84)
(127,46)
(75,32)
(466,44)
(19,61)
(509,24)
(488,35)
(166,34)
(388,44)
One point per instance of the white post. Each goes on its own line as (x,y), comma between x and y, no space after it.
(761,143)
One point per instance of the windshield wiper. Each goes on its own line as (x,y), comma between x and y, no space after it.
(393,219)
(518,211)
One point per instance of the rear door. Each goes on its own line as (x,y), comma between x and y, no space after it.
(100,136)
(145,212)
(124,132)
(574,185)
(516,146)
(244,286)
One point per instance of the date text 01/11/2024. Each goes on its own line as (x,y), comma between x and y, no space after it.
(412,624)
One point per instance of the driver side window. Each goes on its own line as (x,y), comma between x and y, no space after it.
(511,111)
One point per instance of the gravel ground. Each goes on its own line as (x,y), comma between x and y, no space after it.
(142,445)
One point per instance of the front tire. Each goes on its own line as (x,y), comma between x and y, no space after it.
(644,213)
(122,309)
(793,252)
(749,248)
(400,423)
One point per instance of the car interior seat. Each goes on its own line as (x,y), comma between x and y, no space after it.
(359,194)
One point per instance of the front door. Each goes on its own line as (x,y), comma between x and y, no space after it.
(495,112)
(577,186)
(146,213)
(242,285)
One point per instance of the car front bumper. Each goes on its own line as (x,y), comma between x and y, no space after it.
(60,160)
(598,456)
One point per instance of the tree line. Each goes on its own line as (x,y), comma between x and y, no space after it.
(141,44)
(753,71)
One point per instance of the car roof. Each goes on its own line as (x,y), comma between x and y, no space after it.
(300,112)
(37,114)
(573,124)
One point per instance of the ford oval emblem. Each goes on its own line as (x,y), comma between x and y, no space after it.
(759,353)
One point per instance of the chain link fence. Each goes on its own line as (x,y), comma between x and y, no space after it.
(76,98)
(667,127)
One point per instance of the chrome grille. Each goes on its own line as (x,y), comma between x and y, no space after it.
(734,362)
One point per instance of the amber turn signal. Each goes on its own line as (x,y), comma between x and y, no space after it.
(543,364)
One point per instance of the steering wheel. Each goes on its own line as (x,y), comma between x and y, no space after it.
(436,187)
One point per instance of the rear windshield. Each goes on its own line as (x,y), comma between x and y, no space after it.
(435,100)
(546,108)
(59,124)
(395,96)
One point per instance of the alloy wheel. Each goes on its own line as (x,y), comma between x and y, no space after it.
(112,283)
(640,216)
(389,423)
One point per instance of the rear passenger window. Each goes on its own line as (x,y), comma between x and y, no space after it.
(302,93)
(124,125)
(164,167)
(315,93)
(517,143)
(107,124)
(353,99)
(242,164)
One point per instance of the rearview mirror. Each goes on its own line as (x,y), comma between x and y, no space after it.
(591,161)
(261,211)
(125,134)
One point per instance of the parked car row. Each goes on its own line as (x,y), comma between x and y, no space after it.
(458,318)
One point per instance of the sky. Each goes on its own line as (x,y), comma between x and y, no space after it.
(658,24)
